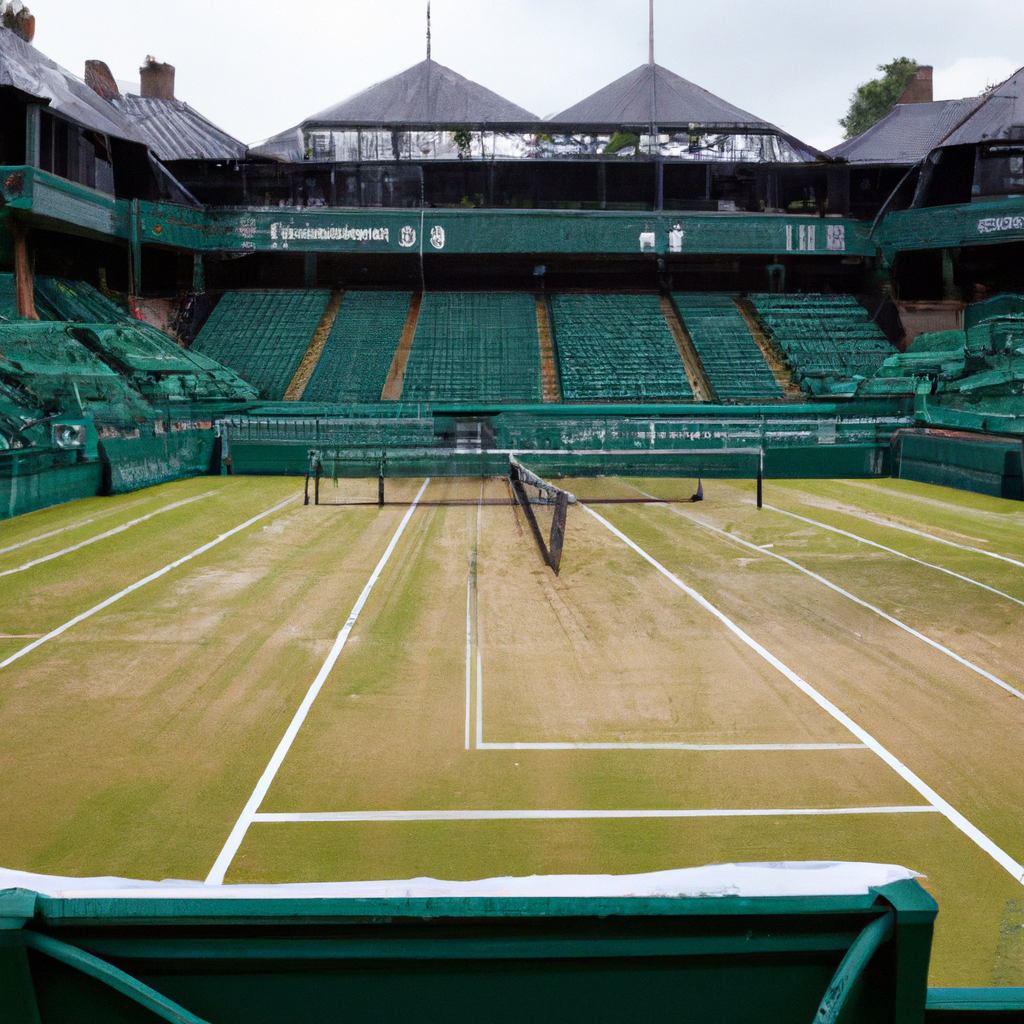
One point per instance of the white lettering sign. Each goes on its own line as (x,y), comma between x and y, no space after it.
(407,237)
(675,238)
(806,237)
(835,238)
(437,236)
(647,240)
(987,225)
(287,233)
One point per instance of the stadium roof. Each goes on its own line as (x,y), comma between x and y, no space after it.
(999,115)
(907,133)
(174,131)
(24,68)
(428,93)
(677,102)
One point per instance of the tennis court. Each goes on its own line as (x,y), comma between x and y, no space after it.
(251,689)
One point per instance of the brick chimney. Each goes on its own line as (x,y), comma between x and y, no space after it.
(15,16)
(919,89)
(100,80)
(157,80)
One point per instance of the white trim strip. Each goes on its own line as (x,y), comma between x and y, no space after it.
(234,840)
(891,551)
(141,583)
(868,518)
(856,600)
(757,812)
(999,855)
(671,746)
(103,536)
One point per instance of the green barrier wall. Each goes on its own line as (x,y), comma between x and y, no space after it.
(30,481)
(144,461)
(986,465)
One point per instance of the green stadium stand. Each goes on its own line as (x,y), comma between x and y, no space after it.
(59,299)
(828,339)
(998,308)
(47,363)
(617,347)
(263,335)
(475,347)
(357,354)
(8,298)
(733,362)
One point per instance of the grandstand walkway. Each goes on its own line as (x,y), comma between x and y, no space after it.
(730,356)
(475,347)
(617,348)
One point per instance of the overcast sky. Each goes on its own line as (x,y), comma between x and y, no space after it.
(256,67)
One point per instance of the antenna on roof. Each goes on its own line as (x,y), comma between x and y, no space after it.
(650,44)
(428,28)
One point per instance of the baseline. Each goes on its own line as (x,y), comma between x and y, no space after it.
(891,551)
(237,834)
(958,820)
(857,600)
(141,583)
(757,812)
(103,536)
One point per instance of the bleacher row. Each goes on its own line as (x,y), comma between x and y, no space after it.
(484,346)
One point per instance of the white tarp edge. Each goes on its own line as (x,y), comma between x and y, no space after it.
(783,878)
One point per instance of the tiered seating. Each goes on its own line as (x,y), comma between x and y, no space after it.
(617,347)
(475,346)
(357,354)
(828,338)
(59,299)
(263,335)
(732,360)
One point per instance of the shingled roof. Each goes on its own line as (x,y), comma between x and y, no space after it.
(24,68)
(907,133)
(427,94)
(174,131)
(1000,115)
(677,103)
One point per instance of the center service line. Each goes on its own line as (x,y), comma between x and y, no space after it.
(856,600)
(975,834)
(103,536)
(149,579)
(245,819)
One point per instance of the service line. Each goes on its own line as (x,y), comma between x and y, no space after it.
(141,583)
(756,812)
(857,600)
(103,536)
(245,819)
(975,834)
(891,551)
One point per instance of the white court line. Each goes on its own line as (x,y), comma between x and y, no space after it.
(103,536)
(951,813)
(671,746)
(779,812)
(44,536)
(469,653)
(869,518)
(856,600)
(141,583)
(892,551)
(245,819)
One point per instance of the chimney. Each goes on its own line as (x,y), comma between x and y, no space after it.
(100,80)
(919,90)
(157,80)
(15,16)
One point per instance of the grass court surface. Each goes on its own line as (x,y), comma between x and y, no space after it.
(839,675)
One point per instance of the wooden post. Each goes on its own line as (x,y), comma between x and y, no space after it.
(23,274)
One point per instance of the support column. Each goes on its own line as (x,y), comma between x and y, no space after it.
(134,250)
(33,128)
(198,273)
(23,284)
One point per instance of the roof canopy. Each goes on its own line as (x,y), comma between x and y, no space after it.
(653,93)
(174,131)
(427,94)
(999,115)
(907,133)
(24,68)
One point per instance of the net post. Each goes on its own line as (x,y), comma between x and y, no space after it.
(558,531)
(316,484)
(380,485)
(305,493)
(760,477)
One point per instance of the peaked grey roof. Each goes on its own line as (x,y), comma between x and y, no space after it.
(427,94)
(174,131)
(677,102)
(1000,110)
(907,133)
(24,68)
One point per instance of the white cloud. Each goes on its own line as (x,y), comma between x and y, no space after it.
(968,76)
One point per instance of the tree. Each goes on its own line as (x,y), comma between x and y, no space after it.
(874,99)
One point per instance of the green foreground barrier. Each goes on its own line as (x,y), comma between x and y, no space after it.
(774,960)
